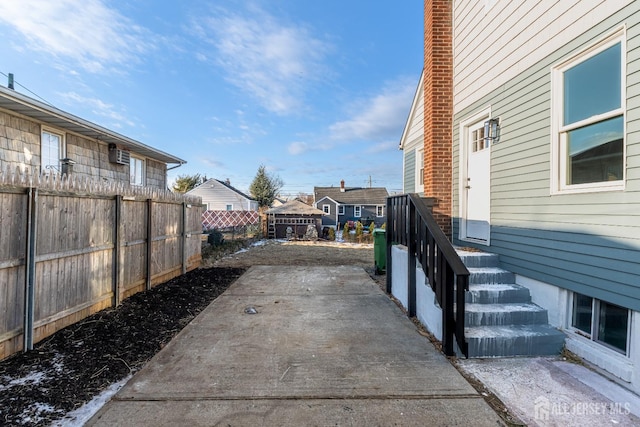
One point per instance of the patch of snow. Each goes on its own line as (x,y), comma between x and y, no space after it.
(241,251)
(80,416)
(58,363)
(32,378)
(33,414)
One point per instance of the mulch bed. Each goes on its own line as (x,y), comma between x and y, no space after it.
(77,363)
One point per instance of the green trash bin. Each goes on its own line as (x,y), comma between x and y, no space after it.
(380,250)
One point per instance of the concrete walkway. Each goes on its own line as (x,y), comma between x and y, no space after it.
(326,347)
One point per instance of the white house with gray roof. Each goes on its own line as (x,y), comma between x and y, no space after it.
(220,195)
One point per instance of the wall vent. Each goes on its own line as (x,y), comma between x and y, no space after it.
(118,155)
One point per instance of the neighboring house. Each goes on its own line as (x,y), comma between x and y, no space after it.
(556,196)
(43,139)
(221,196)
(342,204)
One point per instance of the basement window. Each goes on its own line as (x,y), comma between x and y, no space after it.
(600,321)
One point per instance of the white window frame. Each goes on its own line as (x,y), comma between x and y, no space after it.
(133,160)
(62,150)
(419,178)
(380,211)
(559,132)
(340,209)
(357,211)
(229,207)
(326,209)
(595,325)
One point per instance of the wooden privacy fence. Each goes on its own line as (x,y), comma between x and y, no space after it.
(69,248)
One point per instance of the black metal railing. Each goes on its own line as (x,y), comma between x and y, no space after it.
(410,223)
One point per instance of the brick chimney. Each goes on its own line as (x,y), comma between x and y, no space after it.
(438,108)
(342,186)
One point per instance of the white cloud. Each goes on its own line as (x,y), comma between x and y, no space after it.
(98,38)
(380,117)
(296,148)
(208,161)
(99,108)
(272,61)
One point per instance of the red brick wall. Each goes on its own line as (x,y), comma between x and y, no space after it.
(438,108)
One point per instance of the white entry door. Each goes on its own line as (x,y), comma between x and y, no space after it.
(478,185)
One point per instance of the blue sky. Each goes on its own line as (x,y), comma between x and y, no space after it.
(317,91)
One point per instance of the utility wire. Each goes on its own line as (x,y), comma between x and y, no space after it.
(29,90)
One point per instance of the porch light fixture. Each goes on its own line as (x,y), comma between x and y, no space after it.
(492,131)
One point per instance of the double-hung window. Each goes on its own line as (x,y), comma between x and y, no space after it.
(379,211)
(341,210)
(588,119)
(357,211)
(326,209)
(51,151)
(136,171)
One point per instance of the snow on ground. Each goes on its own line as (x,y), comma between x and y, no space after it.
(81,415)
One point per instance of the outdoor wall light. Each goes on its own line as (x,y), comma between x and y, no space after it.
(492,130)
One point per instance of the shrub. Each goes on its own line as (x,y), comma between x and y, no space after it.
(215,237)
(359,229)
(372,226)
(332,234)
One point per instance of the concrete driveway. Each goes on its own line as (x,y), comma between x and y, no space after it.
(325,347)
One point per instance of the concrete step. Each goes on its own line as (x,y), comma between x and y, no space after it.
(504,314)
(514,340)
(478,259)
(488,275)
(492,293)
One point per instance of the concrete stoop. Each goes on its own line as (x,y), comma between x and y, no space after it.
(500,319)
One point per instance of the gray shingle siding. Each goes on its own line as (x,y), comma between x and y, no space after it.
(585,242)
(20,148)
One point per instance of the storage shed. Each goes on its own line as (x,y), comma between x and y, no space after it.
(294,215)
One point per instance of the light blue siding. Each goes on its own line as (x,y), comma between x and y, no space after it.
(587,242)
(410,171)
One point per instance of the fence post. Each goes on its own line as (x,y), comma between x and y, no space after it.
(117,237)
(184,236)
(30,267)
(149,242)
